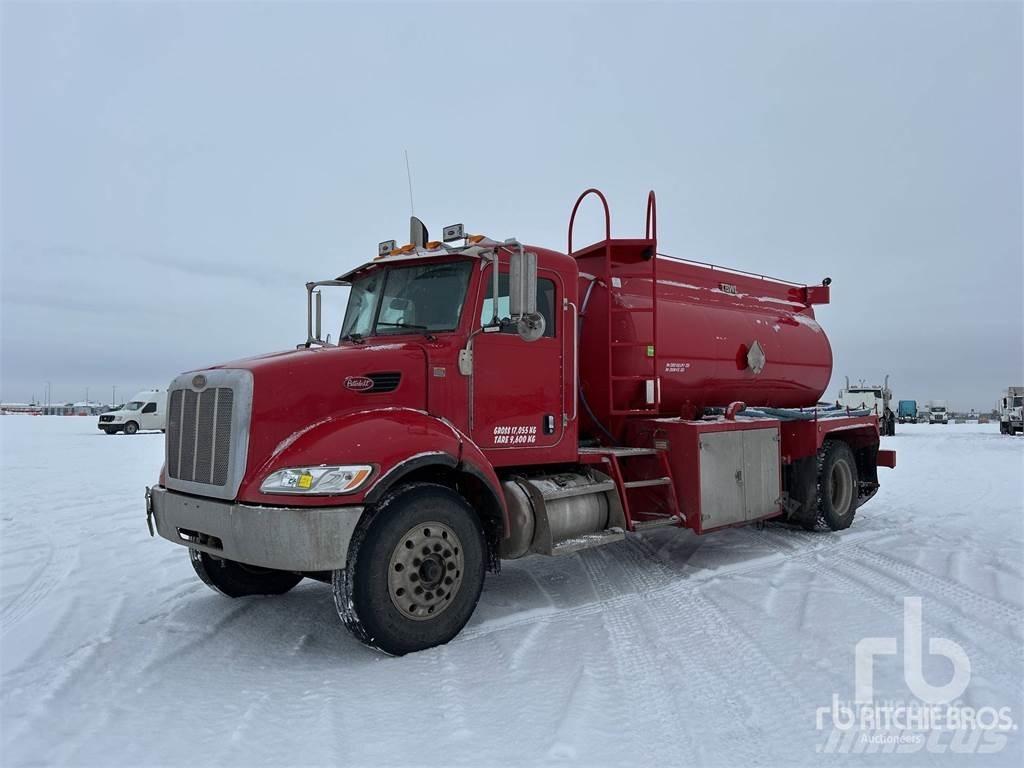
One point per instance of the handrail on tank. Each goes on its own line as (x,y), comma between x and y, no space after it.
(651,224)
(607,215)
(730,270)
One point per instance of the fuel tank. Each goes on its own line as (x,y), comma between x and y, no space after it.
(667,337)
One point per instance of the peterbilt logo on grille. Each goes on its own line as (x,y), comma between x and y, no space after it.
(359,383)
(198,381)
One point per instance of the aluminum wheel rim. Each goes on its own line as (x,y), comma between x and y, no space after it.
(425,571)
(842,487)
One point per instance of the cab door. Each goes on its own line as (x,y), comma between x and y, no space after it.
(516,390)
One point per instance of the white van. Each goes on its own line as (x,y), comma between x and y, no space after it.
(147,410)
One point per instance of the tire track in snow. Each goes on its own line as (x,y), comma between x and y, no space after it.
(881,591)
(43,582)
(746,664)
(646,683)
(957,593)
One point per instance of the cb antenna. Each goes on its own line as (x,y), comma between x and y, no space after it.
(408,175)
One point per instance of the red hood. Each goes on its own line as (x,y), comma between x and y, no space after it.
(291,388)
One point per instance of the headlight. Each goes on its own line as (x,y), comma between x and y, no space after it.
(316,480)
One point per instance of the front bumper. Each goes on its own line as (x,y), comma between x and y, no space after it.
(285,538)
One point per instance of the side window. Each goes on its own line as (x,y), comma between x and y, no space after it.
(150,408)
(546,296)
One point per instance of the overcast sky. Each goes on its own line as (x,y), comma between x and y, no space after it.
(173,173)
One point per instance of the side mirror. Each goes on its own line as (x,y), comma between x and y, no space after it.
(522,294)
(522,283)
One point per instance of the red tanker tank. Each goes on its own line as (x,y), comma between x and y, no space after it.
(667,337)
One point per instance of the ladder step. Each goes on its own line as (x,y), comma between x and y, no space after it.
(647,483)
(664,522)
(587,541)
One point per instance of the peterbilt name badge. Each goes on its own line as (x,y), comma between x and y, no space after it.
(358,383)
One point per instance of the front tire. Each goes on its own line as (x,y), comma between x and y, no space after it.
(131,428)
(415,570)
(234,579)
(837,486)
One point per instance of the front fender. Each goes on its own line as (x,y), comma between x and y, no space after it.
(395,441)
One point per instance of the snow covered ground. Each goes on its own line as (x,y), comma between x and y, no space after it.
(665,649)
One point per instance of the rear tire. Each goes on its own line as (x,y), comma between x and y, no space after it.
(837,486)
(131,428)
(234,579)
(415,570)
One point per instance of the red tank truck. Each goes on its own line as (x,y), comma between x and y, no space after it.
(489,400)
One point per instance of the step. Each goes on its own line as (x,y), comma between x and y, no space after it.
(621,452)
(588,541)
(582,490)
(647,483)
(664,522)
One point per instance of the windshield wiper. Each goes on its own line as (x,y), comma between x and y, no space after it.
(355,338)
(405,325)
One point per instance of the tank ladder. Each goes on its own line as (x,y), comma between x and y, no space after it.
(631,268)
(643,479)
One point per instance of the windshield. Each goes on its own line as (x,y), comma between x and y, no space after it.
(939,409)
(134,405)
(420,297)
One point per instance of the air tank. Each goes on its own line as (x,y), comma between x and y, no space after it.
(722,336)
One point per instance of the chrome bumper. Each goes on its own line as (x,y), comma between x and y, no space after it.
(286,538)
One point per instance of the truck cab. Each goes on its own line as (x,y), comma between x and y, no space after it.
(146,411)
(876,399)
(1011,411)
(937,413)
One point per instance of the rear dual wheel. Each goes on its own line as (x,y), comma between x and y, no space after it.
(837,486)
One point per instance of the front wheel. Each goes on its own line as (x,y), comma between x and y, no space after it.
(131,428)
(415,570)
(235,579)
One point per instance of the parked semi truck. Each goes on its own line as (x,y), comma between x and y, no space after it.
(1011,411)
(906,412)
(489,400)
(937,412)
(874,398)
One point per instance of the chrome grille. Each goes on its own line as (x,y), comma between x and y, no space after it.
(199,435)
